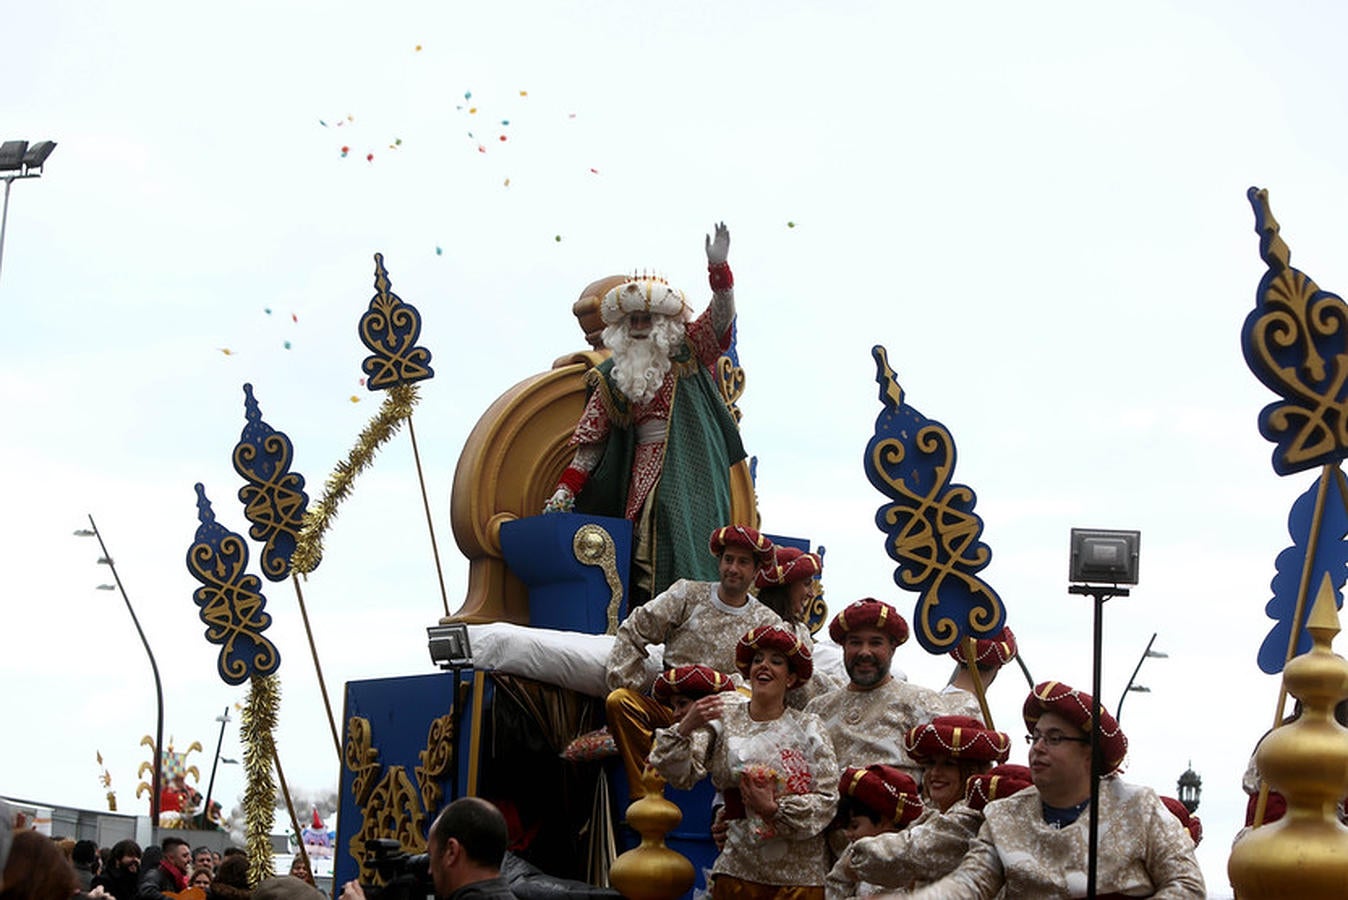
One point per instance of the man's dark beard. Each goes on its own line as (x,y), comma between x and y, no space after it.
(881,671)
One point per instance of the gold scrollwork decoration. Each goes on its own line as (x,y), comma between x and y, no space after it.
(593,546)
(730,380)
(436,761)
(361,758)
(390,329)
(1296,342)
(930,525)
(393,811)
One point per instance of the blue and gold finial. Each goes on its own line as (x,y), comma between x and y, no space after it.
(1295,340)
(231,602)
(273,500)
(389,329)
(931,529)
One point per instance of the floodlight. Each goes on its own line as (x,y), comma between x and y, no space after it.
(449,646)
(11,155)
(1104,557)
(37,154)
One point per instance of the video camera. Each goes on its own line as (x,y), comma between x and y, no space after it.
(406,876)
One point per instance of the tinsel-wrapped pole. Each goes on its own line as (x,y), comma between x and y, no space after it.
(397,406)
(389,328)
(232,606)
(259,751)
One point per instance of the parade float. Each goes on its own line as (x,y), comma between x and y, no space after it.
(515,713)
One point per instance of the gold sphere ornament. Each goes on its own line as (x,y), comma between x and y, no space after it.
(1305,853)
(652,871)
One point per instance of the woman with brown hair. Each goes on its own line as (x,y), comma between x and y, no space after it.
(775,766)
(37,870)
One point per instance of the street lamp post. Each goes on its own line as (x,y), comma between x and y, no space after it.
(224,720)
(25,162)
(1146,655)
(154,667)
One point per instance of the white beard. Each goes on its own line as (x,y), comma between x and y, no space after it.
(640,367)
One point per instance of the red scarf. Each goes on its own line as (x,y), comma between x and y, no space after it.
(179,878)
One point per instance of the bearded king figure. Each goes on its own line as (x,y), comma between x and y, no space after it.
(656,442)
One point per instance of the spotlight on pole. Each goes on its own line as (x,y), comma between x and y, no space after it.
(1099,562)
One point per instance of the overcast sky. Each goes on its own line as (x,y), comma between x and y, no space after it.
(1038,208)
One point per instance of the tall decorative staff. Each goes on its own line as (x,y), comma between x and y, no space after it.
(1295,341)
(231,603)
(274,503)
(930,528)
(389,328)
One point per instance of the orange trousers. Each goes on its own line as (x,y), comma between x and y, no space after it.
(728,887)
(632,719)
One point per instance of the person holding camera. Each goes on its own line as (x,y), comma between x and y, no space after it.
(465,847)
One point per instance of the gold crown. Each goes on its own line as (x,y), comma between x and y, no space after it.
(648,276)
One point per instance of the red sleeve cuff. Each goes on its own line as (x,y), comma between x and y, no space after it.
(573,479)
(720,277)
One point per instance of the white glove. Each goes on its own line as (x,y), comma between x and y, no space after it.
(718,247)
(562,500)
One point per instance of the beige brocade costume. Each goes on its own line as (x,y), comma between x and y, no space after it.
(692,623)
(930,847)
(868,726)
(1144,851)
(789,850)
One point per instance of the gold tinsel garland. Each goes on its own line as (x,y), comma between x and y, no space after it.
(259,749)
(397,407)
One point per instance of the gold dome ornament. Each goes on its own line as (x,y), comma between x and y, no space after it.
(1305,853)
(652,871)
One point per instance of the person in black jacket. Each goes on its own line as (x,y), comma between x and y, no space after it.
(170,874)
(466,846)
(122,872)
